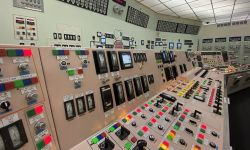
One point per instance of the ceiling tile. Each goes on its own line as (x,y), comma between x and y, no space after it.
(150,3)
(223,20)
(166,12)
(175,3)
(224,9)
(188,11)
(242,10)
(202,8)
(223,3)
(181,8)
(242,5)
(242,1)
(199,3)
(204,12)
(159,8)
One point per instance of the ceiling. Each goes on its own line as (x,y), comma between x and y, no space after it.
(212,11)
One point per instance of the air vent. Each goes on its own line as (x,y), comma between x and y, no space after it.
(233,23)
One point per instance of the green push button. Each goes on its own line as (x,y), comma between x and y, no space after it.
(18,84)
(11,53)
(124,120)
(134,113)
(157,116)
(128,146)
(31,113)
(170,138)
(112,129)
(176,127)
(55,52)
(142,107)
(71,72)
(140,133)
(163,110)
(78,52)
(150,124)
(200,141)
(169,105)
(94,140)
(202,130)
(150,103)
(40,145)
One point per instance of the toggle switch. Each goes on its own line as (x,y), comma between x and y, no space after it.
(177,107)
(123,133)
(141,144)
(5,105)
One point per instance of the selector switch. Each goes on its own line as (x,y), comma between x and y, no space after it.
(214,134)
(151,138)
(133,124)
(212,144)
(63,65)
(143,116)
(141,144)
(23,68)
(5,105)
(123,133)
(160,127)
(151,109)
(31,98)
(107,144)
(182,142)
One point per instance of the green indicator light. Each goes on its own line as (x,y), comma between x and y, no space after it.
(200,141)
(18,84)
(94,140)
(40,145)
(142,107)
(150,124)
(157,116)
(202,130)
(140,133)
(111,129)
(127,146)
(150,103)
(11,53)
(176,127)
(124,120)
(31,113)
(170,138)
(71,72)
(55,52)
(134,113)
(78,52)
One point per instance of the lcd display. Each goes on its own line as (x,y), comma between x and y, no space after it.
(129,90)
(171,45)
(171,56)
(125,60)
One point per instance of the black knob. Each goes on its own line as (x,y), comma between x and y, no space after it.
(160,127)
(151,138)
(166,119)
(182,142)
(143,116)
(151,109)
(212,144)
(5,105)
(214,133)
(133,123)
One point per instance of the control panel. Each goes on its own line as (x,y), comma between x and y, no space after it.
(190,115)
(24,110)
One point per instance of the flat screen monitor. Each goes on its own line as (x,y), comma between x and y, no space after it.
(113,61)
(165,57)
(100,62)
(129,89)
(125,60)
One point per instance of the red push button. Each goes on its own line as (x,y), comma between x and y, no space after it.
(34,80)
(9,86)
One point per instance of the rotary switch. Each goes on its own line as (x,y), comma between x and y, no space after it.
(31,98)
(5,105)
(23,68)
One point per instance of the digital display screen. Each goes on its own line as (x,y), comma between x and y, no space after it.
(165,57)
(125,60)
